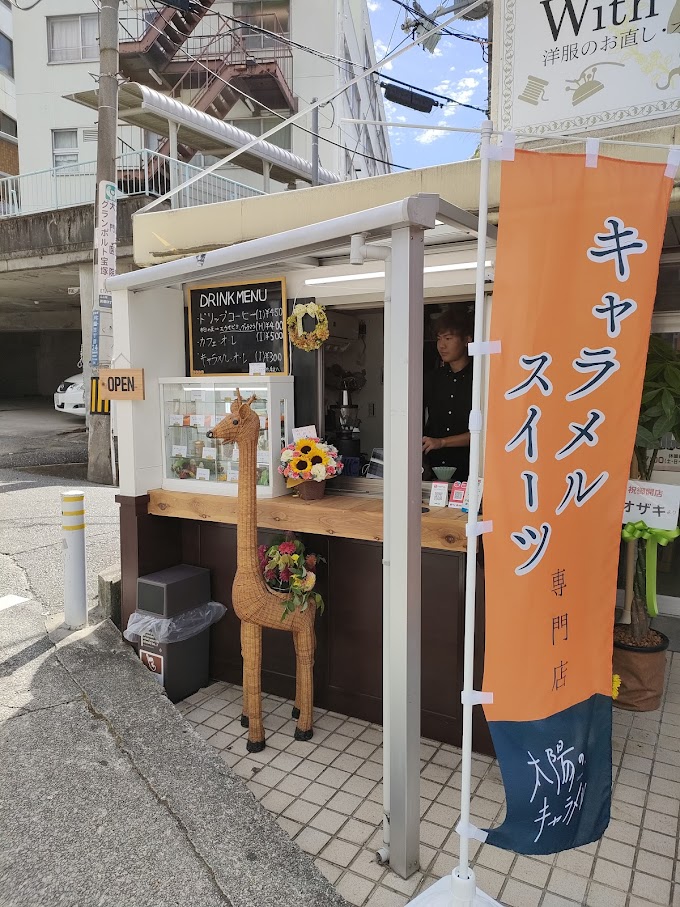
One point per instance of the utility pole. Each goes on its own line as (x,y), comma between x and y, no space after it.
(99,435)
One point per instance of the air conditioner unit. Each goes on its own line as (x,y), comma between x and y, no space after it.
(343,330)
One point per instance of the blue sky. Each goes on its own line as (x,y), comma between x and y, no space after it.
(456,69)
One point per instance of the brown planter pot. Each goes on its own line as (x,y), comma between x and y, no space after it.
(311,491)
(642,672)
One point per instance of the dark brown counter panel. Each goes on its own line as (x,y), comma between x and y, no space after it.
(348,665)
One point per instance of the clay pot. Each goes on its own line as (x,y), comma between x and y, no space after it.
(311,491)
(642,672)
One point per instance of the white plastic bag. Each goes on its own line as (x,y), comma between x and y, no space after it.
(174,629)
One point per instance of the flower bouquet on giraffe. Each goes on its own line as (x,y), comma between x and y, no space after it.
(287,567)
(307,463)
(254,603)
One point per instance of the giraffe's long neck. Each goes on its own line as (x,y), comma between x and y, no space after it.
(246,535)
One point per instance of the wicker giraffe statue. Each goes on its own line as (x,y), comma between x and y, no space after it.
(255,604)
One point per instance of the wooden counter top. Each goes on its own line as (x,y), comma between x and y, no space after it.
(345,516)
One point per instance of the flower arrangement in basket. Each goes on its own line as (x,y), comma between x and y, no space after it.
(287,567)
(307,463)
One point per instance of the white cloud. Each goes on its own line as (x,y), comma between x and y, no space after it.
(467,83)
(476,72)
(443,87)
(437,52)
(381,50)
(431,135)
(373,6)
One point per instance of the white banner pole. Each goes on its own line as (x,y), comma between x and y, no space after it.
(460,888)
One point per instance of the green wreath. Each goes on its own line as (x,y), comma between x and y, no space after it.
(308,340)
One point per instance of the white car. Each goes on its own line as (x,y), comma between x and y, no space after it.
(70,396)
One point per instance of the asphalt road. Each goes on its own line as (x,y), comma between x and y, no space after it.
(108,797)
(32,432)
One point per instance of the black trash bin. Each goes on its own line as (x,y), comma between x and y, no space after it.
(181,667)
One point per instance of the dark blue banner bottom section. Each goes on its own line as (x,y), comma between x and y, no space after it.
(557,774)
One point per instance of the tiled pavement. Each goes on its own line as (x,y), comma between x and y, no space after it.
(327,795)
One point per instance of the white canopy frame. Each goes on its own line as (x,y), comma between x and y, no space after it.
(404,223)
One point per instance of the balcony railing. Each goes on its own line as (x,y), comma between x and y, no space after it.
(138,173)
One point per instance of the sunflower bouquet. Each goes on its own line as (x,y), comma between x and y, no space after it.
(287,567)
(309,460)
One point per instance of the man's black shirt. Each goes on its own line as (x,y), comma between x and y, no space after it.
(447,397)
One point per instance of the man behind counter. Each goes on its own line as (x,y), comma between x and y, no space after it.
(447,396)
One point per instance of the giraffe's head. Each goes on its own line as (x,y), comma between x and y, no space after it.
(242,423)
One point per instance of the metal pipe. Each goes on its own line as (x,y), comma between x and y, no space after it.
(315,143)
(173,130)
(463,877)
(75,583)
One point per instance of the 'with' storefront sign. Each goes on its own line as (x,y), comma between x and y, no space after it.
(576,270)
(576,65)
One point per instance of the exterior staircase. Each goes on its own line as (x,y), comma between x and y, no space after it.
(165,34)
(210,72)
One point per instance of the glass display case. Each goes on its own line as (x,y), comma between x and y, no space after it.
(191,407)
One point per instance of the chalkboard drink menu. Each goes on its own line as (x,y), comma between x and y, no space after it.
(234,324)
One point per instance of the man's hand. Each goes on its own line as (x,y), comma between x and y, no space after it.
(430,444)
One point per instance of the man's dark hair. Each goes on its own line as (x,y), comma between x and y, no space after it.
(454,321)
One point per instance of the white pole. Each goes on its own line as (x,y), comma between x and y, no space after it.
(460,888)
(463,877)
(172,133)
(384,852)
(75,586)
(403,495)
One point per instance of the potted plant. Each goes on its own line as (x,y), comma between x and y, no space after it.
(307,464)
(640,650)
(287,567)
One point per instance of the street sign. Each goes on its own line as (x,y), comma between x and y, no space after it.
(102,321)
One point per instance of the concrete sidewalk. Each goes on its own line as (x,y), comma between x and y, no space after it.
(107,794)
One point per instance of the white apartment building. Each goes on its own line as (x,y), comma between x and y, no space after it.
(9,158)
(56,54)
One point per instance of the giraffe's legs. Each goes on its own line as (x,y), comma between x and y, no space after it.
(252,684)
(304,679)
(296,707)
(245,713)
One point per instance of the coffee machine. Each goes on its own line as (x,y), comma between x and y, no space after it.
(343,420)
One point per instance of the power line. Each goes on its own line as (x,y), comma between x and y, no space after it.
(319,103)
(25,9)
(343,62)
(280,116)
(435,95)
(423,17)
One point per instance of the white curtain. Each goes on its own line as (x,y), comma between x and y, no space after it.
(64,34)
(73,38)
(90,36)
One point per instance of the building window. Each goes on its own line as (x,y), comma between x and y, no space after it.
(272,15)
(64,147)
(260,125)
(8,126)
(6,56)
(71,39)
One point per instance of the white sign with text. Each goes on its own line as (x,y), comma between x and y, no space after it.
(580,65)
(655,505)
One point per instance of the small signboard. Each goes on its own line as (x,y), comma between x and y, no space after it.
(121,384)
(439,494)
(235,326)
(154,663)
(655,505)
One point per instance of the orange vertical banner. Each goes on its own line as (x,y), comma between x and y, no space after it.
(576,272)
